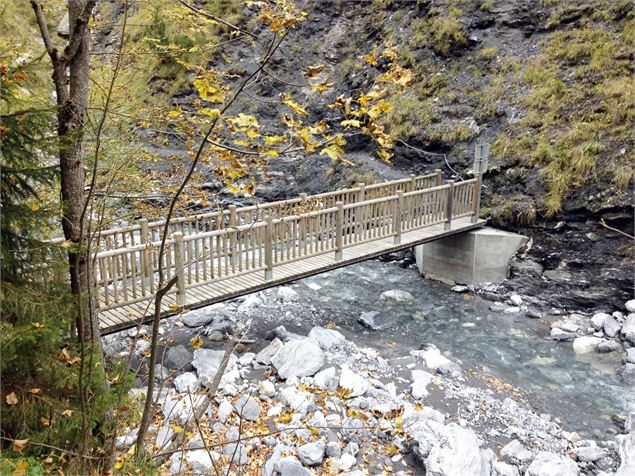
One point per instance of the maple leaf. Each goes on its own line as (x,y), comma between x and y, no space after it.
(351,122)
(299,110)
(321,87)
(370,58)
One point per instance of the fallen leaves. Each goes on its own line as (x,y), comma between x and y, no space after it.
(11,399)
(19,445)
(197,342)
(66,357)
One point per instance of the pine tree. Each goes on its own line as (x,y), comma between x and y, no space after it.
(25,144)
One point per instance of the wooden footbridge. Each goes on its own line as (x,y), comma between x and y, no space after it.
(224,254)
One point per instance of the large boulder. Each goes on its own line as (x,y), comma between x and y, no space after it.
(457,452)
(326,338)
(178,357)
(628,329)
(552,464)
(207,361)
(298,358)
(198,317)
(626,450)
(585,344)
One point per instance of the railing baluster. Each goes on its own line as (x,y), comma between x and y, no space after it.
(268,248)
(397,217)
(339,231)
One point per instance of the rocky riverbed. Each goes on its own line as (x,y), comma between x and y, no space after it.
(367,378)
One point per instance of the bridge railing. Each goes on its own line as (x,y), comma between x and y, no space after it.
(129,275)
(145,232)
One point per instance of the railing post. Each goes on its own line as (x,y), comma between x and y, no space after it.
(413,182)
(232,236)
(477,198)
(339,231)
(438,178)
(268,248)
(449,204)
(146,255)
(396,219)
(362,192)
(179,254)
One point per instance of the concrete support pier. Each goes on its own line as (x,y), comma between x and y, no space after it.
(473,257)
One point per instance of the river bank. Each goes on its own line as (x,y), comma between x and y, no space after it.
(441,365)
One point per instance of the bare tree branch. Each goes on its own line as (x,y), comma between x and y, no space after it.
(216,19)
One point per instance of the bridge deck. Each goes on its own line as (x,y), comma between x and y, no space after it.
(128,315)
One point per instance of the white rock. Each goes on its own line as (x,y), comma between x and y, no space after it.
(246,359)
(186,381)
(298,358)
(420,381)
(290,466)
(589,454)
(457,453)
(598,320)
(552,464)
(344,462)
(295,399)
(512,310)
(611,327)
(326,379)
(569,327)
(503,469)
(207,361)
(247,408)
(396,295)
(326,338)
(630,305)
(287,294)
(585,344)
(434,360)
(267,388)
(142,346)
(516,300)
(514,450)
(252,302)
(350,380)
(626,450)
(312,454)
(197,317)
(628,330)
(200,461)
(225,409)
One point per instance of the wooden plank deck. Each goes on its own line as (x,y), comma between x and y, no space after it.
(129,315)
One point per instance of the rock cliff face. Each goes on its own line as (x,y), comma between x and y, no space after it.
(546,82)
